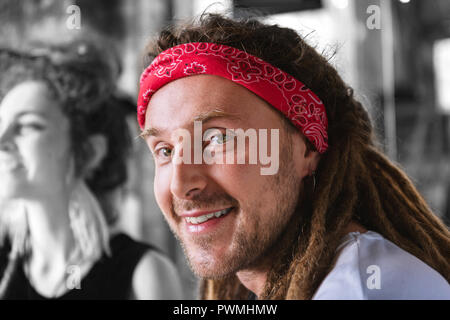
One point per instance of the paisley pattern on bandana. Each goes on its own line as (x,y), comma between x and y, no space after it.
(285,93)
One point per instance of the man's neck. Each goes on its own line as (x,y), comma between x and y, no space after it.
(254,279)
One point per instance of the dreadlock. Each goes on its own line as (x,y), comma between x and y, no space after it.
(355,181)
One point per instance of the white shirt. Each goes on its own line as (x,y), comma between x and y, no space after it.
(372,267)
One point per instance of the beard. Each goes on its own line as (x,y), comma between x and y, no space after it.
(256,232)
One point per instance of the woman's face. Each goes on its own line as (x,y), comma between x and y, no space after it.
(35,157)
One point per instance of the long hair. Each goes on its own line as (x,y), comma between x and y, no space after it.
(355,180)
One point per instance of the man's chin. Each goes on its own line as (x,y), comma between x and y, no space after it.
(208,272)
(210,267)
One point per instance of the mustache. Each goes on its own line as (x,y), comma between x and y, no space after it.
(204,202)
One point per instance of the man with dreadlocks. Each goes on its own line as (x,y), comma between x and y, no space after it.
(338,220)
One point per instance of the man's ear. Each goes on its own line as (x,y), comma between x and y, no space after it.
(98,147)
(306,161)
(312,158)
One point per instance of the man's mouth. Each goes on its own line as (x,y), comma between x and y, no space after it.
(209,216)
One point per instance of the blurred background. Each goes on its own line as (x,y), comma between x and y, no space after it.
(394,53)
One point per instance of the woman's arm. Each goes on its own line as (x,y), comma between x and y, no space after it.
(156,278)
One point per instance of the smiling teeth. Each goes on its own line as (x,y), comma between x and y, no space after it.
(206,217)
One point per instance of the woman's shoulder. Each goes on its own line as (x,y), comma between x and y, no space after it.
(156,277)
(153,275)
(370,266)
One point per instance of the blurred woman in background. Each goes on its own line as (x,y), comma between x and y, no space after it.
(63,146)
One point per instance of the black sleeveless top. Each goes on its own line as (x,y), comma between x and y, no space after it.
(109,278)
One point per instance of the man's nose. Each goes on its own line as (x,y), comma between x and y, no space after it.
(188,179)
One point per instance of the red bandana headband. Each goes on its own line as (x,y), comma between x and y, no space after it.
(285,93)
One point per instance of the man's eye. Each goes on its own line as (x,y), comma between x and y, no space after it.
(220,138)
(164,152)
(217,137)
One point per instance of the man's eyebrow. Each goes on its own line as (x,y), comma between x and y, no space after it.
(203,117)
(149,132)
(213,114)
